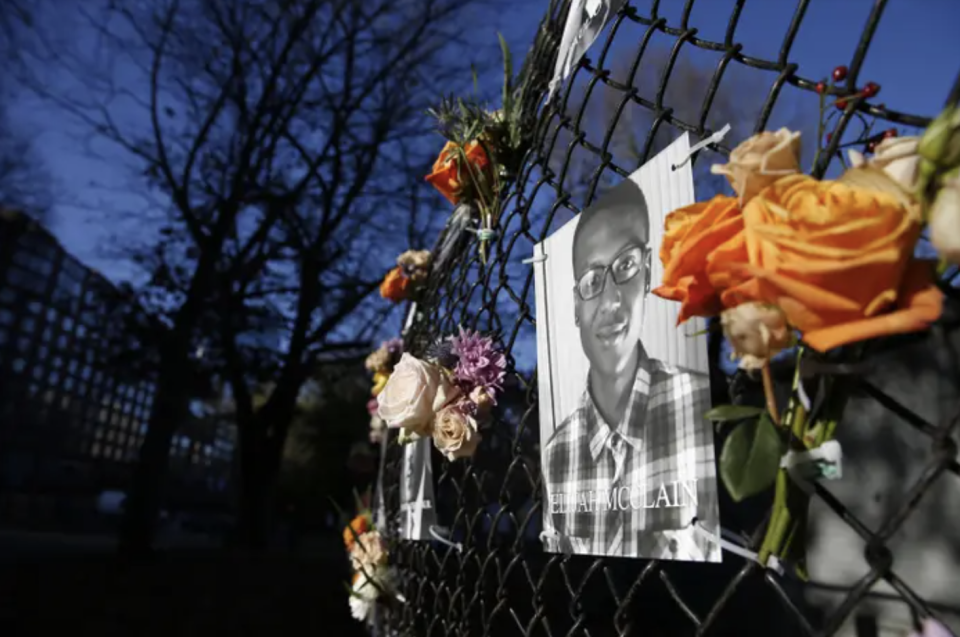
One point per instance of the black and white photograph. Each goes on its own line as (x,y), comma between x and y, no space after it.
(417,513)
(585,21)
(628,457)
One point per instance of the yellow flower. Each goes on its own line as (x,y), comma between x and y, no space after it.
(379,382)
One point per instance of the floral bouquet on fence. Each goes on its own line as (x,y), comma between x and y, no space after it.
(447,396)
(381,363)
(373,579)
(830,261)
(482,153)
(408,277)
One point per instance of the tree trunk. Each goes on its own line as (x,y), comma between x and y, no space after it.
(261,458)
(170,406)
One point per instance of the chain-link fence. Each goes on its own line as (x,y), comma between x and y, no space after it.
(626,101)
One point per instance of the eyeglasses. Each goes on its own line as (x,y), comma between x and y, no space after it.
(625,266)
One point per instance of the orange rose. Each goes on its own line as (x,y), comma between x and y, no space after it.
(691,234)
(357,527)
(835,258)
(395,285)
(449,177)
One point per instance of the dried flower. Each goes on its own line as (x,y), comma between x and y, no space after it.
(378,361)
(395,286)
(479,362)
(368,552)
(441,351)
(357,527)
(757,332)
(759,161)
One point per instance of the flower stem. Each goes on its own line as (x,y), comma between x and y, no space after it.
(769,394)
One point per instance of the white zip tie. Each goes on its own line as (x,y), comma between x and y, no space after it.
(826,461)
(540,258)
(716,138)
(434,533)
(773,563)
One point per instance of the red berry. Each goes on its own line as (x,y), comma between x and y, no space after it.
(890,132)
(821,88)
(871,89)
(829,137)
(839,74)
(841,104)
(871,147)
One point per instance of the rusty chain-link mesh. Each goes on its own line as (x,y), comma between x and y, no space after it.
(502,583)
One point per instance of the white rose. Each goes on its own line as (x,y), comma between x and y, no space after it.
(945,221)
(360,608)
(455,433)
(896,156)
(759,161)
(415,392)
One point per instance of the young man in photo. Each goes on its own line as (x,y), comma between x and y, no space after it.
(631,467)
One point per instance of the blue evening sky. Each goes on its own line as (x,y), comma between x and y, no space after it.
(915,57)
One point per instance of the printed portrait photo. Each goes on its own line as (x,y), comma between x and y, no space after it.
(584,22)
(417,513)
(627,456)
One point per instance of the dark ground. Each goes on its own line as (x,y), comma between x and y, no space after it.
(53,587)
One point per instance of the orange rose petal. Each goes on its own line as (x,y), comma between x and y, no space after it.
(811,295)
(696,251)
(921,303)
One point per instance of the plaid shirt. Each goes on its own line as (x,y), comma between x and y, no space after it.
(633,491)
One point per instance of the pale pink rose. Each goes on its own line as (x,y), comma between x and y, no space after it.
(368,552)
(455,433)
(757,332)
(415,392)
(945,221)
(759,161)
(897,157)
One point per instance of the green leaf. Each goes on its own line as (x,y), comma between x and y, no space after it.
(751,458)
(724,413)
(473,72)
(507,74)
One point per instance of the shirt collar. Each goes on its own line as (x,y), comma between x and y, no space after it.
(600,431)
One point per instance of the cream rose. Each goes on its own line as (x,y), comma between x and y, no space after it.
(455,433)
(378,360)
(945,220)
(757,332)
(415,392)
(368,552)
(759,161)
(414,259)
(896,156)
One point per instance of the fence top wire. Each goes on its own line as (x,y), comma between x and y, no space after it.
(502,583)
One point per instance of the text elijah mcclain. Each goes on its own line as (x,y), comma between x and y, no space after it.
(676,494)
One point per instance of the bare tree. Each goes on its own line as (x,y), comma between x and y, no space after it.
(25,182)
(284,142)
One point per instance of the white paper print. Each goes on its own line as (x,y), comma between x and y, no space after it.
(628,459)
(417,512)
(585,21)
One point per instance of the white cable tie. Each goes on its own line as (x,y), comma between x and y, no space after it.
(716,138)
(540,258)
(772,563)
(826,461)
(434,533)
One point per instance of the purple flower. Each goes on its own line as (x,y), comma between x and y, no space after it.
(442,352)
(480,363)
(932,628)
(394,346)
